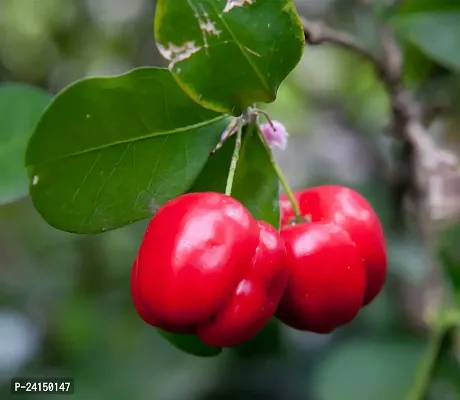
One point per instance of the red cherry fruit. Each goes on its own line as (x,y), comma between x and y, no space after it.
(351,211)
(197,251)
(144,311)
(327,278)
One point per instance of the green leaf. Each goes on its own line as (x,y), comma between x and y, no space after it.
(417,65)
(109,151)
(255,183)
(436,34)
(266,342)
(229,54)
(20,108)
(367,369)
(190,344)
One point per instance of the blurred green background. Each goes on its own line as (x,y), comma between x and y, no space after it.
(65,306)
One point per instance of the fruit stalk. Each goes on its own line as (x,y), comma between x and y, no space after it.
(234,162)
(281,178)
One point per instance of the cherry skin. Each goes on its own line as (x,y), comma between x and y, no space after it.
(144,312)
(327,278)
(256,297)
(351,211)
(206,266)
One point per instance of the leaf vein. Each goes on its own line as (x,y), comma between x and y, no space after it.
(86,177)
(96,200)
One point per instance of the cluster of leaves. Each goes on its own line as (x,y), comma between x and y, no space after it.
(108,151)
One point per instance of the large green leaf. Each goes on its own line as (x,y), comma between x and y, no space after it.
(437,34)
(229,54)
(367,369)
(190,344)
(20,108)
(255,183)
(108,151)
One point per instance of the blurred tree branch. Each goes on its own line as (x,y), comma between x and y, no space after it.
(407,120)
(317,32)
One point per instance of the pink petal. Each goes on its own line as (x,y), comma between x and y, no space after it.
(275,134)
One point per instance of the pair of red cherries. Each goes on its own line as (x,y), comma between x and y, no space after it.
(207,267)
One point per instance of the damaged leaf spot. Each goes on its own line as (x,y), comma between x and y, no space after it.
(207,27)
(175,54)
(237,3)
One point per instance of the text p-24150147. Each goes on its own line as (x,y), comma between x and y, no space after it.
(42,385)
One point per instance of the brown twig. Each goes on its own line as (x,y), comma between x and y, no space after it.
(317,32)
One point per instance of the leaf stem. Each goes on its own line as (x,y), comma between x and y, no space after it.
(234,162)
(281,177)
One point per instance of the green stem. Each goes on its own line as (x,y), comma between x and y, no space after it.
(441,328)
(281,177)
(234,162)
(426,368)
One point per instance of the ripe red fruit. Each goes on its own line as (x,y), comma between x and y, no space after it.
(351,211)
(327,278)
(206,266)
(144,312)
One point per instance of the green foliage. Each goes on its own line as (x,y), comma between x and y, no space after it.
(421,24)
(229,54)
(417,66)
(108,151)
(370,369)
(428,31)
(20,108)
